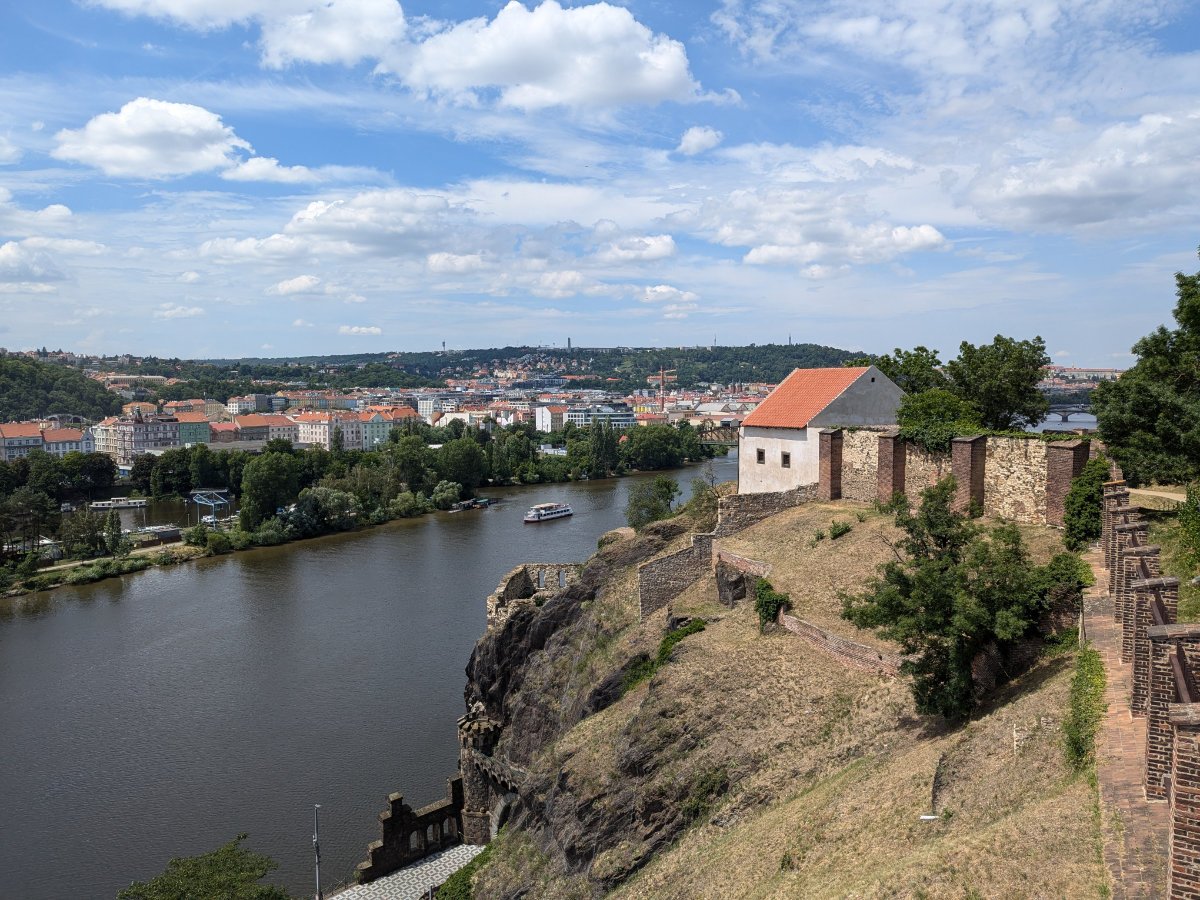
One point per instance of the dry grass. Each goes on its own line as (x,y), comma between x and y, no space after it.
(1013,822)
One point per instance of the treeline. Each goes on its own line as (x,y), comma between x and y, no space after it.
(30,390)
(33,489)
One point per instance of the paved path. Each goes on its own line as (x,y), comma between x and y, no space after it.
(413,882)
(1134,830)
(1170,495)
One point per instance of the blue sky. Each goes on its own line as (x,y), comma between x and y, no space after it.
(273,177)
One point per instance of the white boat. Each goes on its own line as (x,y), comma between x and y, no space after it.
(120,503)
(543,511)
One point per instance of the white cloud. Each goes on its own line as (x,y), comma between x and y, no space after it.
(301,284)
(665,293)
(266,168)
(697,139)
(638,249)
(454,263)
(360,329)
(9,152)
(177,311)
(588,56)
(152,139)
(189,277)
(20,263)
(301,323)
(558,285)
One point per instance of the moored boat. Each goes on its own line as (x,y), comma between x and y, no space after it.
(544,511)
(120,503)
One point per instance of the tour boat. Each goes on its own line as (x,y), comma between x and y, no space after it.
(543,511)
(120,503)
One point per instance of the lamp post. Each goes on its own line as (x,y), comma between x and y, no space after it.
(317,846)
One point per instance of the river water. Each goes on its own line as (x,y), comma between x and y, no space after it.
(160,714)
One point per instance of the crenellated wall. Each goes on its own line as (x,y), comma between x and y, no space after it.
(408,835)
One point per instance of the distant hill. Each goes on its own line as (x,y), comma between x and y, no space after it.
(31,389)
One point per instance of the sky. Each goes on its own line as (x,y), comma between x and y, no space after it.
(203,178)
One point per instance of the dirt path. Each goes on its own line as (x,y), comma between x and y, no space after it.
(1134,829)
(1169,495)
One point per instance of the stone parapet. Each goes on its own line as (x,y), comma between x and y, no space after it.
(408,835)
(528,584)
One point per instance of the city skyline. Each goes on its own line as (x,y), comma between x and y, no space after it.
(289,178)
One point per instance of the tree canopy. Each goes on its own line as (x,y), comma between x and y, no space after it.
(30,389)
(1149,418)
(1000,381)
(230,872)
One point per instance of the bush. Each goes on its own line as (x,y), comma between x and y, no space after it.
(838,529)
(1087,708)
(408,505)
(1082,508)
(650,501)
(707,787)
(196,536)
(239,540)
(271,533)
(1189,527)
(769,603)
(446,494)
(218,542)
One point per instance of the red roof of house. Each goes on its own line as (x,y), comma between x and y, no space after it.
(253,420)
(55,435)
(20,430)
(191,417)
(223,426)
(801,396)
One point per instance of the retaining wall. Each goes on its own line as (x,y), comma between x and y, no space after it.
(846,651)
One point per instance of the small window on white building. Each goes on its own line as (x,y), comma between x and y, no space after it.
(760,456)
(785,460)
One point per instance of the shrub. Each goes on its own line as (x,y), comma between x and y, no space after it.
(218,542)
(446,494)
(1082,507)
(704,790)
(768,602)
(196,536)
(271,533)
(1087,708)
(239,540)
(861,516)
(1189,526)
(643,668)
(838,529)
(408,505)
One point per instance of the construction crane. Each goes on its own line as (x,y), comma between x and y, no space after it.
(664,375)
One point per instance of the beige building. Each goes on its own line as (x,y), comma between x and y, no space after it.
(778,444)
(124,437)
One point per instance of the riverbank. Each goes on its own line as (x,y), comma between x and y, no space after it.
(230,694)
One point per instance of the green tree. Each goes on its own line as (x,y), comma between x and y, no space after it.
(33,515)
(650,500)
(1000,381)
(914,371)
(446,494)
(230,872)
(269,481)
(932,419)
(1149,418)
(652,447)
(1084,503)
(83,534)
(115,540)
(463,461)
(141,473)
(413,459)
(603,449)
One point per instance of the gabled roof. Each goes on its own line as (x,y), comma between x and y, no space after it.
(20,430)
(801,396)
(191,418)
(58,435)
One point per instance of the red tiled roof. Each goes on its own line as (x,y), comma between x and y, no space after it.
(55,435)
(801,396)
(20,430)
(223,426)
(191,417)
(252,421)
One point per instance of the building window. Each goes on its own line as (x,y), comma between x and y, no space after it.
(785,460)
(760,456)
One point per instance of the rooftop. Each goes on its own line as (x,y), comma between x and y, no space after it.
(801,396)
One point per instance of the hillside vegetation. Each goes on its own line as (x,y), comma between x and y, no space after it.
(752,765)
(30,389)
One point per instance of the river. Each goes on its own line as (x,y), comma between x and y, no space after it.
(160,714)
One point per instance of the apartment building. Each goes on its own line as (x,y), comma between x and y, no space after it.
(124,437)
(61,441)
(17,439)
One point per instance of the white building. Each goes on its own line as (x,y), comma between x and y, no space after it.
(549,418)
(61,441)
(16,440)
(778,444)
(124,437)
(618,416)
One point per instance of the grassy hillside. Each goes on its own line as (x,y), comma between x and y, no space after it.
(751,765)
(31,389)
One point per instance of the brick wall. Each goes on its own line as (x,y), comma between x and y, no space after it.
(1064,461)
(889,479)
(829,486)
(968,460)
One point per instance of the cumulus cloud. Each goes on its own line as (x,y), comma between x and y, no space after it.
(301,323)
(266,168)
(360,329)
(558,285)
(301,284)
(21,263)
(638,249)
(588,56)
(697,139)
(189,277)
(333,31)
(665,293)
(177,311)
(152,139)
